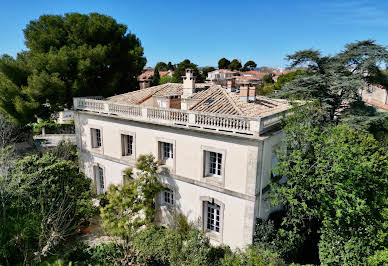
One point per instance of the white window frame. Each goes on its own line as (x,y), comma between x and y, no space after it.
(213,168)
(127,143)
(167,150)
(164,159)
(169,193)
(99,178)
(96,137)
(212,221)
(216,176)
(215,204)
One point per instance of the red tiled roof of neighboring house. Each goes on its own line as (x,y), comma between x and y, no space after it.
(149,74)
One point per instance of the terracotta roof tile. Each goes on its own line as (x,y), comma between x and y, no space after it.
(211,99)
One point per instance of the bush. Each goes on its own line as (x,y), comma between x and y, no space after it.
(48,197)
(53,128)
(252,256)
(379,258)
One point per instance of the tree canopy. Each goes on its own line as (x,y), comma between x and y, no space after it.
(223,63)
(68,56)
(161,66)
(336,81)
(249,65)
(235,65)
(336,186)
(181,71)
(42,200)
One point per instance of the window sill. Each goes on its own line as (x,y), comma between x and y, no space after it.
(214,235)
(128,157)
(96,150)
(214,179)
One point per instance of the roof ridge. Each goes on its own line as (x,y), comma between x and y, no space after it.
(152,93)
(230,99)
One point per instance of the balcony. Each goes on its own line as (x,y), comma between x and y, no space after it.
(227,124)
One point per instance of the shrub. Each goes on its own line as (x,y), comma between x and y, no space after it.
(252,256)
(53,128)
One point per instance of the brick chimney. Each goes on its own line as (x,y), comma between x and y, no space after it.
(247,92)
(231,84)
(188,83)
(144,83)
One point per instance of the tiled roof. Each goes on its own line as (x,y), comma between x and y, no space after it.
(150,73)
(211,99)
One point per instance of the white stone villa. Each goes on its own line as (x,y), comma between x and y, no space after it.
(215,150)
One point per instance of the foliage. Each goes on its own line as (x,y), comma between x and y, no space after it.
(223,63)
(45,201)
(68,56)
(163,246)
(131,205)
(161,66)
(267,79)
(252,256)
(336,186)
(53,128)
(11,133)
(181,71)
(155,78)
(379,258)
(165,79)
(235,65)
(205,71)
(249,65)
(336,81)
(65,150)
(265,89)
(290,76)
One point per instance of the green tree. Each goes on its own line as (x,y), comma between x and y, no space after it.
(170,66)
(290,76)
(235,65)
(161,66)
(249,65)
(205,71)
(336,186)
(68,56)
(165,79)
(47,198)
(155,78)
(181,71)
(336,81)
(267,79)
(131,205)
(223,63)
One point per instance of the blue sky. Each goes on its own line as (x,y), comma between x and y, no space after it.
(206,30)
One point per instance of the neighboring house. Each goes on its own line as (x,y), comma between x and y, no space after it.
(65,117)
(220,75)
(376,95)
(215,149)
(146,77)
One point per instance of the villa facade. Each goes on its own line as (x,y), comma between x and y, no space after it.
(215,149)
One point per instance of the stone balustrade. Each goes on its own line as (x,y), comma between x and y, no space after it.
(175,117)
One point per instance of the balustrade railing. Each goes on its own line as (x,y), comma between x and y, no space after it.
(208,121)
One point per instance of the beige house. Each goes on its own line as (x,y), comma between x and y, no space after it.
(376,95)
(215,149)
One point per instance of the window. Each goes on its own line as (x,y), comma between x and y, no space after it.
(214,163)
(96,137)
(168,197)
(99,175)
(212,215)
(167,150)
(127,145)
